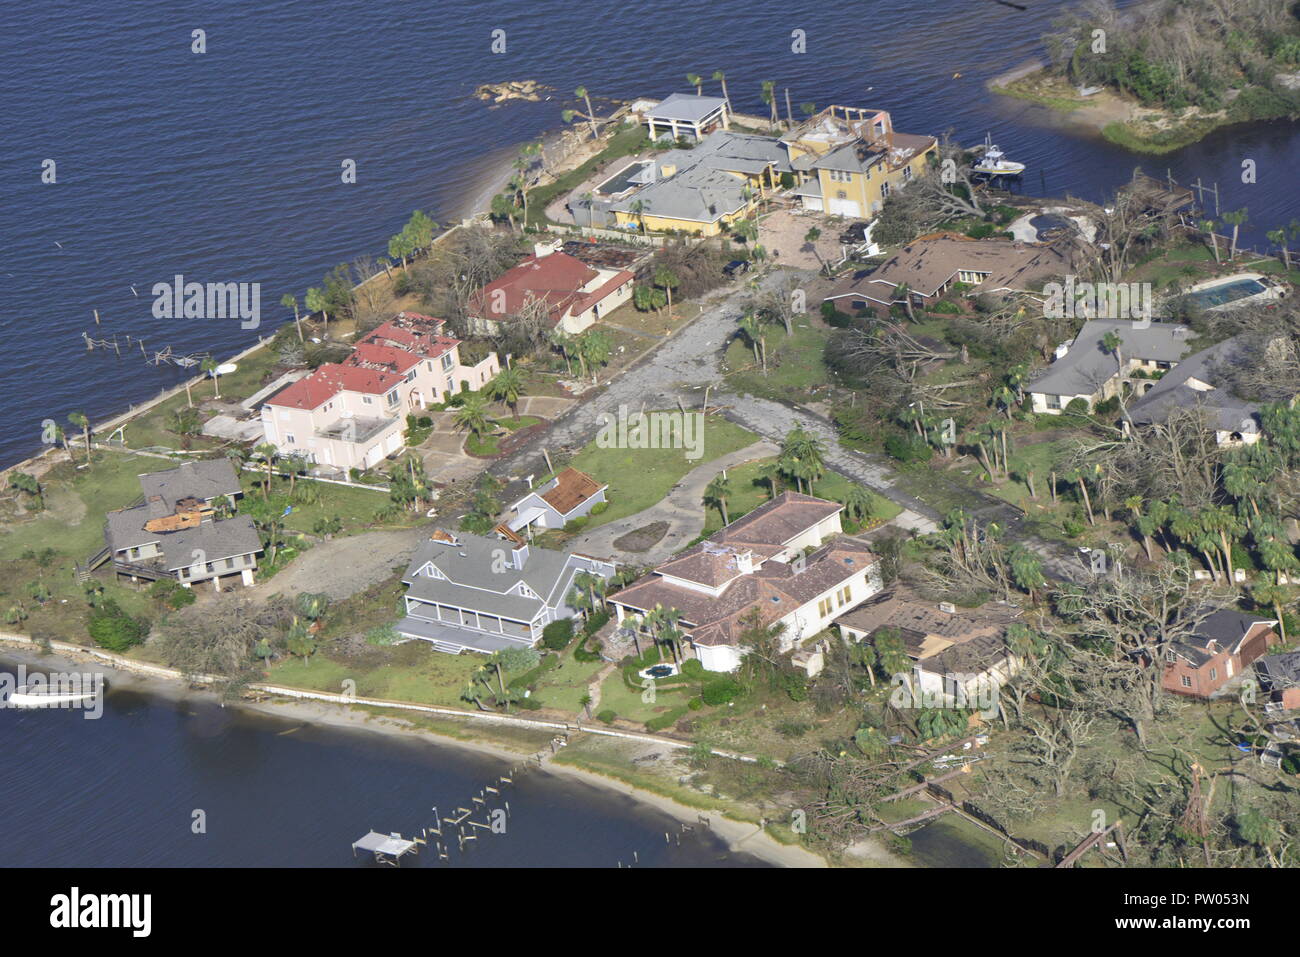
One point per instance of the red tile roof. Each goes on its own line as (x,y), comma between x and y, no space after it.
(330,379)
(557,278)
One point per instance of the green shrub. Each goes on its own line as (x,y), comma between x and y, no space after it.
(607,716)
(595,621)
(558,634)
(692,668)
(695,704)
(114,629)
(720,691)
(908,448)
(598,508)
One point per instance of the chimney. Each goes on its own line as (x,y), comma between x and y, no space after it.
(520,553)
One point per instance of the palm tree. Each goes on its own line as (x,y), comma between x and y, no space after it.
(697,81)
(1208,226)
(771,474)
(1279,236)
(667,280)
(267,453)
(591,116)
(752,329)
(1113,344)
(316,302)
(507,387)
(80,420)
(857,502)
(717,493)
(721,77)
(472,416)
(769,97)
(1225,524)
(209,366)
(1236,218)
(804,456)
(290,301)
(811,238)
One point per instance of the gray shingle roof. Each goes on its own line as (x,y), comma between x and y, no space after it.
(1087,364)
(479,572)
(698,194)
(1226,411)
(206,479)
(685,107)
(210,542)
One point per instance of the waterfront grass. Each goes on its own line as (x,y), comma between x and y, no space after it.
(72,523)
(626,142)
(640,478)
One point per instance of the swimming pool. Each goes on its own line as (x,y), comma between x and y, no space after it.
(1228,292)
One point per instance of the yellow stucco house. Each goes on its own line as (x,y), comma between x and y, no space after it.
(848,160)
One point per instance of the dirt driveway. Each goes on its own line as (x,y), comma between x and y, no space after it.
(783,231)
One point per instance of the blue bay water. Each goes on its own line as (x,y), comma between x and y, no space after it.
(226,166)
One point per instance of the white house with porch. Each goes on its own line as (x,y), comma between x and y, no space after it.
(471,593)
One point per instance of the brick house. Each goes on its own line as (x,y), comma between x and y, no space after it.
(1224,644)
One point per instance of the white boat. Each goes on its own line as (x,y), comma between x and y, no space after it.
(46,696)
(994,162)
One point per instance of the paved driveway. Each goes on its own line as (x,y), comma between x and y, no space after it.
(682,509)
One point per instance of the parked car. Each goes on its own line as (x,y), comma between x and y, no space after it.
(737,268)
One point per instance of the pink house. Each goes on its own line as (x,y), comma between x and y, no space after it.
(352,414)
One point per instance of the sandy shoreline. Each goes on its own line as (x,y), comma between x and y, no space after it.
(738,835)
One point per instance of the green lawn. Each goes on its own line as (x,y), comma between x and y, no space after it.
(794,362)
(488,444)
(412,672)
(154,428)
(355,507)
(749,490)
(639,478)
(76,500)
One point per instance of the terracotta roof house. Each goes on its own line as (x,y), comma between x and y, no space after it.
(929,267)
(960,655)
(575,294)
(175,532)
(1199,382)
(1088,370)
(472,593)
(1224,644)
(571,494)
(787,560)
(351,414)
